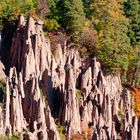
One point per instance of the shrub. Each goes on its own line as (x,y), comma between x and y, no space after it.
(83,136)
(88,40)
(50,25)
(61,129)
(55,39)
(136,100)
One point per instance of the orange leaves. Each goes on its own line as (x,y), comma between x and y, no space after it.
(136,94)
(86,133)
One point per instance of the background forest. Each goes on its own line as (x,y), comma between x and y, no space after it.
(107,29)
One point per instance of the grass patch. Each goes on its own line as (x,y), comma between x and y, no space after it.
(16,136)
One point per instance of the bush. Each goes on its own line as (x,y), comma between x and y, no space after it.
(83,136)
(61,130)
(50,25)
(55,39)
(136,101)
(88,43)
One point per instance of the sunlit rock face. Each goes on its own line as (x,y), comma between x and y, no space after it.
(45,91)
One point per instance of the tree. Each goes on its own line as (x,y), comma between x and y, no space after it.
(136,101)
(87,9)
(43,8)
(52,17)
(72,17)
(10,9)
(113,45)
(132,11)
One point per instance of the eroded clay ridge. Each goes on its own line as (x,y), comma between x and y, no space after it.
(44,90)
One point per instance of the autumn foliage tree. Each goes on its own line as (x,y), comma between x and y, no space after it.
(113,45)
(136,101)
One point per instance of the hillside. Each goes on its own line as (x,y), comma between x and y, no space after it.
(62,96)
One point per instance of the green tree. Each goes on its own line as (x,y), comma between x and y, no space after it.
(87,9)
(132,11)
(113,45)
(10,9)
(73,17)
(51,20)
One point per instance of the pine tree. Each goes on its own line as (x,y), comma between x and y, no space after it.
(132,11)
(73,17)
(87,9)
(113,45)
